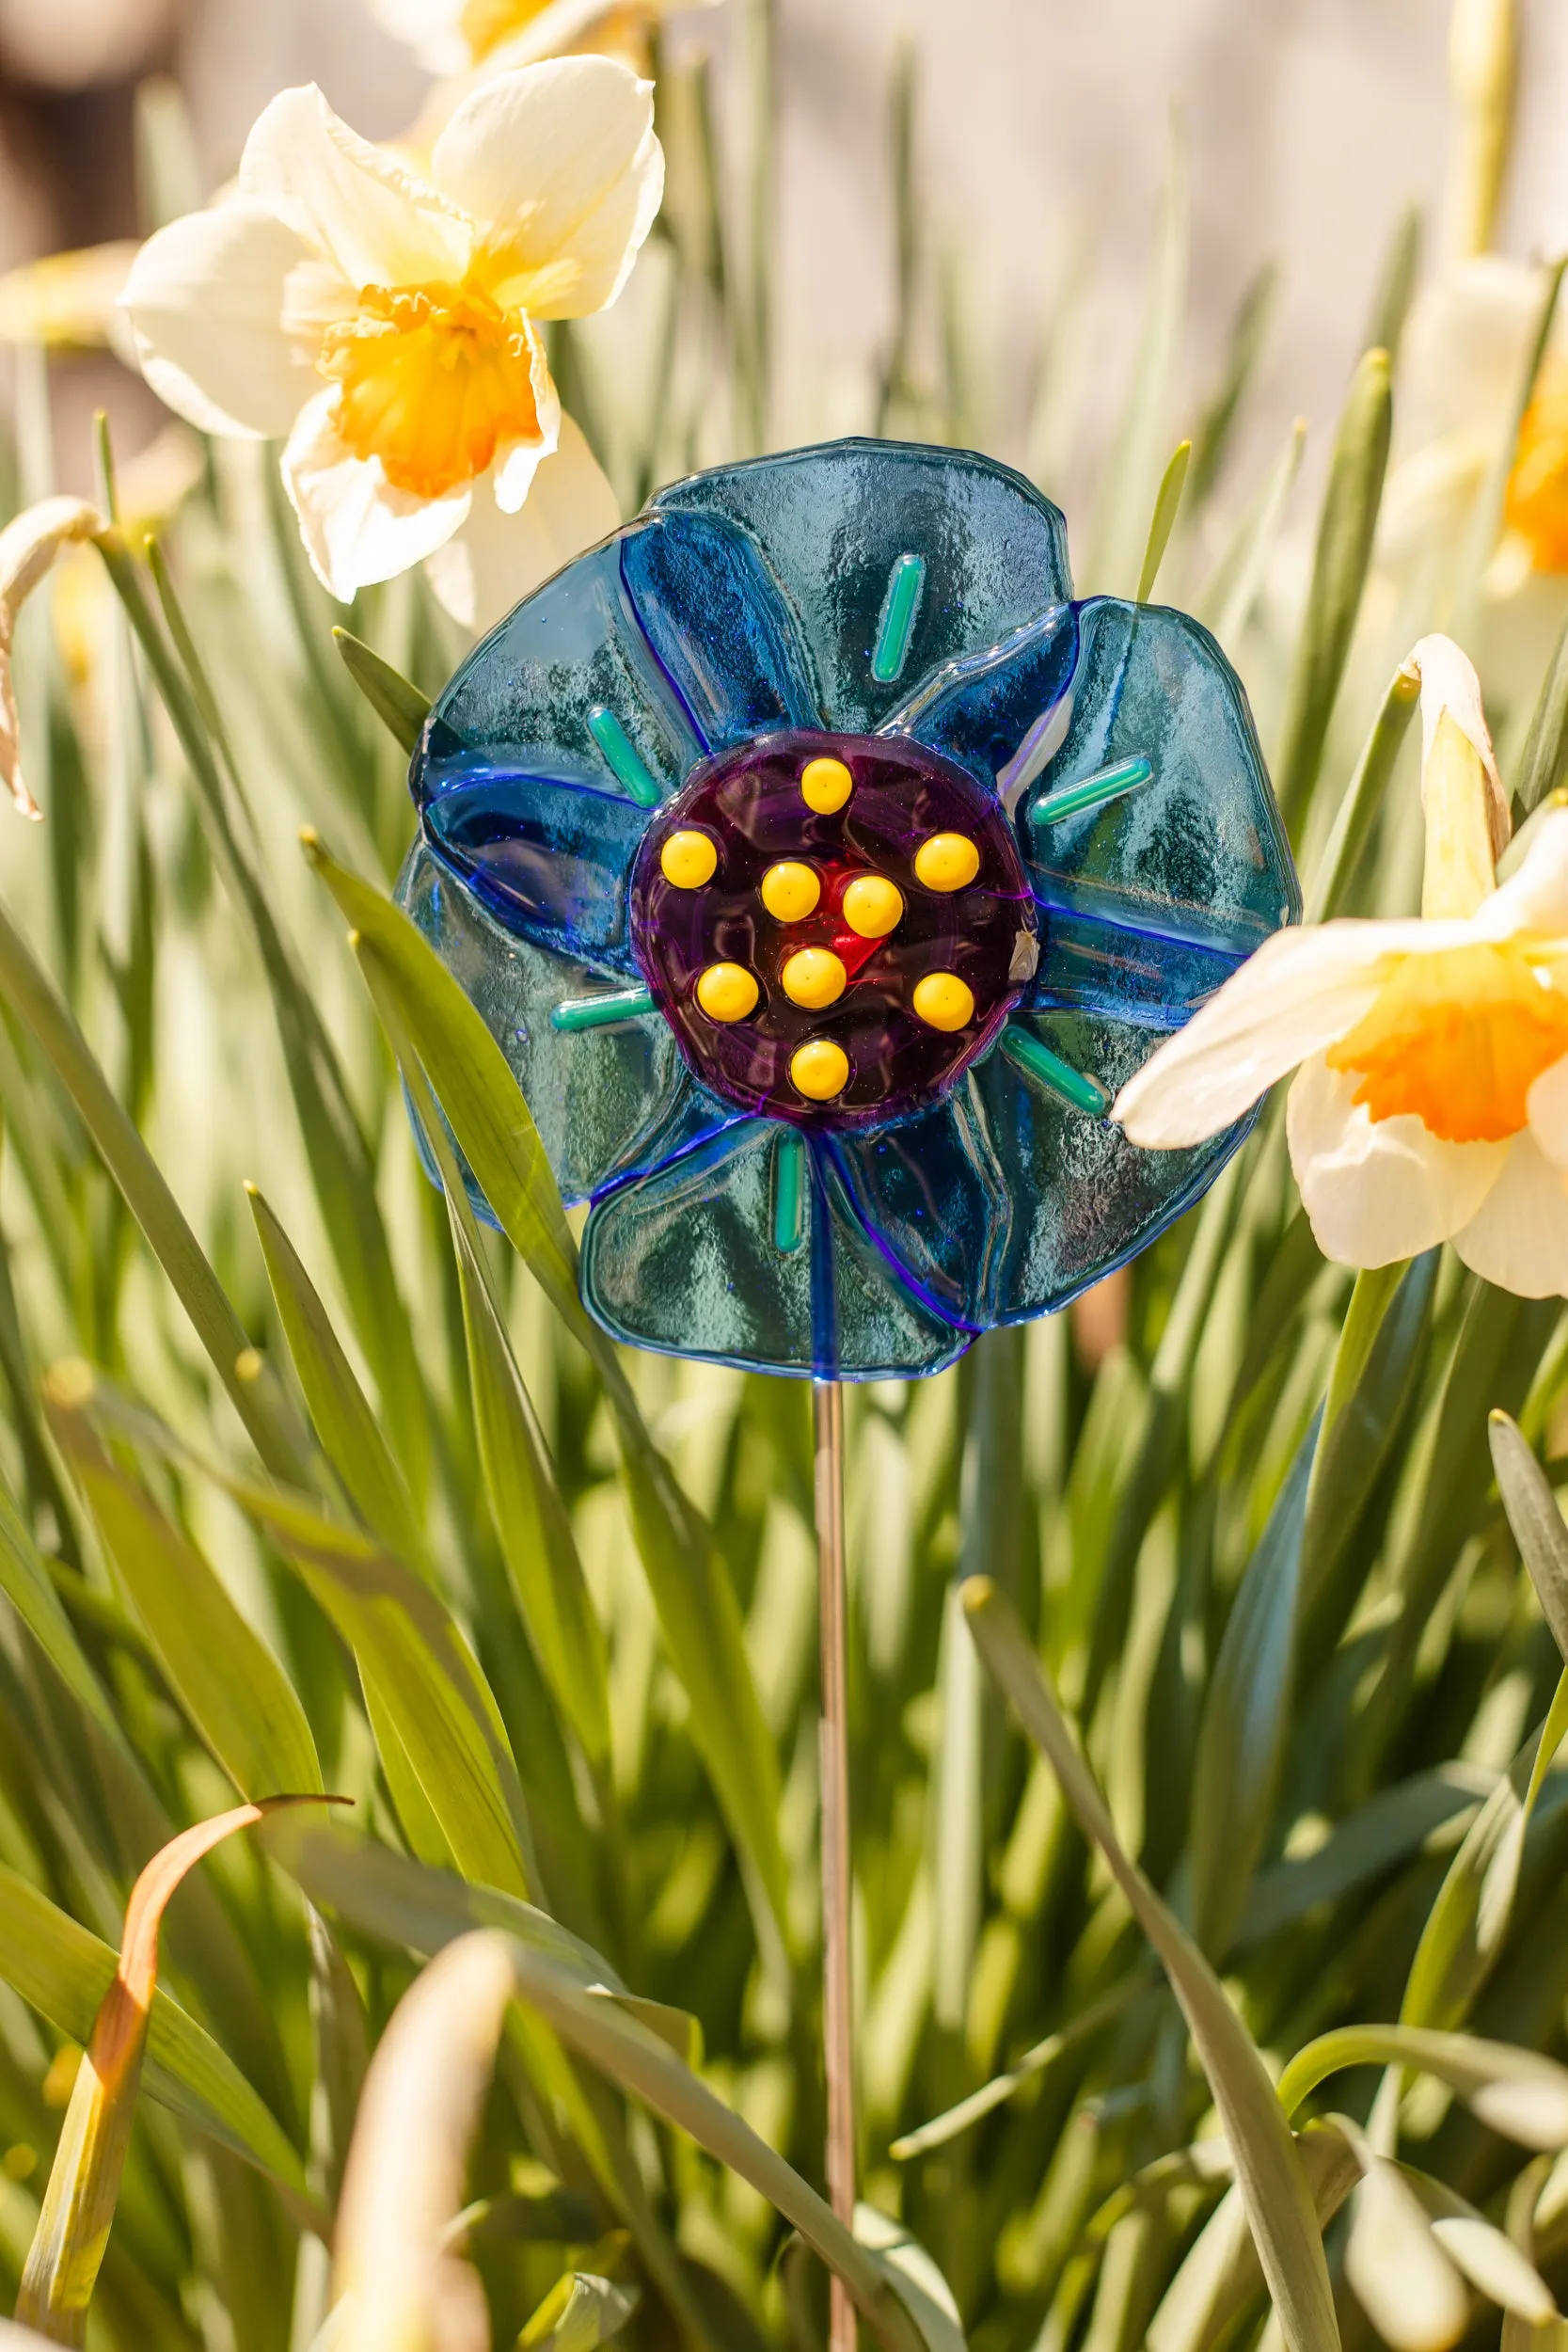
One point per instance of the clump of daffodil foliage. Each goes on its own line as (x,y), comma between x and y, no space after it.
(1206,1641)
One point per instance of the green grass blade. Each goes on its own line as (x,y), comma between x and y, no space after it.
(1216,427)
(399,704)
(30,1588)
(1536,1521)
(1335,870)
(1518,2092)
(254,1392)
(1544,762)
(1167,502)
(1268,2170)
(341,1169)
(349,1432)
(699,1617)
(1247,1719)
(530,1517)
(1226,603)
(231,1685)
(1345,530)
(63,1971)
(1396,284)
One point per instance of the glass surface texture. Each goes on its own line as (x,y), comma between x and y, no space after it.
(775,837)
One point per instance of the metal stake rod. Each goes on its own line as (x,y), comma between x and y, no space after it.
(837,1981)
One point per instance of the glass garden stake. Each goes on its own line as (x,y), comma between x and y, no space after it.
(838,2055)
(822,871)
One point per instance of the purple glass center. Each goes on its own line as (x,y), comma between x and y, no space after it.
(749,804)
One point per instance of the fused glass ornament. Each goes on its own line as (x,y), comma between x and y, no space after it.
(822,871)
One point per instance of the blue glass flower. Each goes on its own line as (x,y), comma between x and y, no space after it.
(822,871)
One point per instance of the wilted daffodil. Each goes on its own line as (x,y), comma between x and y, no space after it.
(386,327)
(1430,1100)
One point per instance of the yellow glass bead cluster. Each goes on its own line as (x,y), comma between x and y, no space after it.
(814,977)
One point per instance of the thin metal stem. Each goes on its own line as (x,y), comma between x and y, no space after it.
(837,1979)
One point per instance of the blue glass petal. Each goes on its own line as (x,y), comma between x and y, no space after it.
(1090,966)
(1082,1198)
(990,710)
(1198,852)
(686,1260)
(548,859)
(833,525)
(608,1102)
(1005,1202)
(721,630)
(526,698)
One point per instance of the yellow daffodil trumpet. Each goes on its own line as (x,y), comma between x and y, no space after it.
(1430,1096)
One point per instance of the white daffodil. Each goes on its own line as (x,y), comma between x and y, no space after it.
(451,36)
(384,326)
(1430,1100)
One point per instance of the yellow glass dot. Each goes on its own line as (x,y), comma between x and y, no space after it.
(727,992)
(790,891)
(821,1068)
(689,859)
(826,785)
(943,1001)
(949,860)
(873,906)
(814,976)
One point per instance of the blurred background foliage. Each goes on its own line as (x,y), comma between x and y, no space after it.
(353,1498)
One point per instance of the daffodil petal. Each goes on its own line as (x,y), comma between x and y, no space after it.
(356,528)
(1536,898)
(1518,1238)
(1451,690)
(1303,989)
(205,300)
(1547,1106)
(516,465)
(1378,1190)
(561,163)
(496,558)
(365,212)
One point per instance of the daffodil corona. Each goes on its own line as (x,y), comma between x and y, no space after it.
(1431,1100)
(384,326)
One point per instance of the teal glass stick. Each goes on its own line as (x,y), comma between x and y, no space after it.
(599,1012)
(1109,784)
(789,1192)
(1076,1087)
(622,758)
(900,610)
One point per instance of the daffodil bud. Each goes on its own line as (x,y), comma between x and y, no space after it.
(1482,55)
(1466,807)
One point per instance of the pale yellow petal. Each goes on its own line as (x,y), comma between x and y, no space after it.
(1450,688)
(1518,1238)
(369,216)
(498,559)
(1303,989)
(561,165)
(1547,1105)
(1378,1190)
(355,527)
(1536,898)
(205,300)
